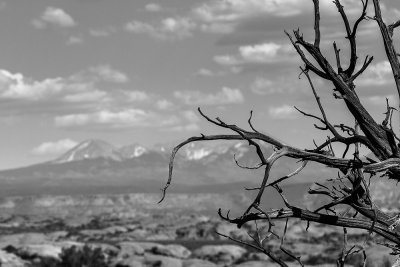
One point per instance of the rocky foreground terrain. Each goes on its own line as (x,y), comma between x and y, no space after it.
(167,240)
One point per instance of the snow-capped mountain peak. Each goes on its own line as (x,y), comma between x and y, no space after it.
(197,154)
(90,149)
(132,151)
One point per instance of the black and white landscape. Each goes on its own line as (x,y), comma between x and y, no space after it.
(95,95)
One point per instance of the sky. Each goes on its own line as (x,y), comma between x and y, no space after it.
(135,71)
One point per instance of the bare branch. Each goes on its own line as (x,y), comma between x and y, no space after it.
(337,54)
(317,18)
(261,249)
(367,61)
(309,65)
(390,50)
(306,215)
(286,251)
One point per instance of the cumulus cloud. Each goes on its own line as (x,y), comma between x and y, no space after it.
(225,96)
(77,86)
(54,148)
(168,29)
(16,86)
(56,17)
(259,53)
(282,112)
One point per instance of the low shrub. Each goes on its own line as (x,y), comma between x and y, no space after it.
(76,257)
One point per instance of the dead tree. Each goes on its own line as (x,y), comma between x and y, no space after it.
(379,138)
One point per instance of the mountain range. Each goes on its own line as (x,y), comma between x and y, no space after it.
(95,166)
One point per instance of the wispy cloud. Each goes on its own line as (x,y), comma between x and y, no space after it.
(164,104)
(109,74)
(54,148)
(209,73)
(285,84)
(282,112)
(153,7)
(127,118)
(74,40)
(225,96)
(56,17)
(135,96)
(89,96)
(376,75)
(259,53)
(103,32)
(380,100)
(171,28)
(113,119)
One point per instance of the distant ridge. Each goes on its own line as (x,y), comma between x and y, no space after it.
(96,165)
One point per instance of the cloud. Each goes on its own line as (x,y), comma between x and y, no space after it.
(105,32)
(90,96)
(227,60)
(118,119)
(164,104)
(190,116)
(190,127)
(380,100)
(222,16)
(287,84)
(225,96)
(217,28)
(235,10)
(56,17)
(262,86)
(115,119)
(209,73)
(109,74)
(153,7)
(54,148)
(242,20)
(376,75)
(260,53)
(74,40)
(282,112)
(135,96)
(16,86)
(168,29)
